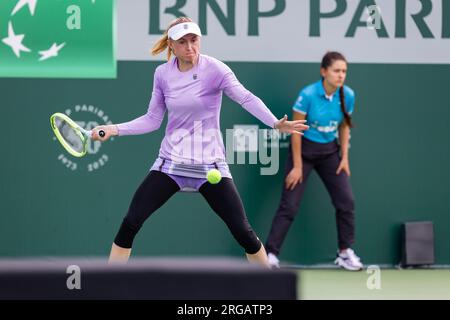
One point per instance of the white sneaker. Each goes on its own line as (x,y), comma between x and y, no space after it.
(348,260)
(273,261)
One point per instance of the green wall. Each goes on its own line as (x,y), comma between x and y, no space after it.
(399,159)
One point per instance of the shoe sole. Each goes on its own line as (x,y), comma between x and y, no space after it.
(346,267)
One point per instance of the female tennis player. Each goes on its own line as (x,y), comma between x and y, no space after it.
(327,105)
(190,88)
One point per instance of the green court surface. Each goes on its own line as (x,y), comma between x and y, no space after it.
(406,284)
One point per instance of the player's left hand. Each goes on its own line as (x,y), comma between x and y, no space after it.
(297,126)
(344,166)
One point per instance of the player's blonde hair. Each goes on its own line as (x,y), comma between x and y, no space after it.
(163,43)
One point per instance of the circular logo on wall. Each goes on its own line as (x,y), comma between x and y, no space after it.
(88,117)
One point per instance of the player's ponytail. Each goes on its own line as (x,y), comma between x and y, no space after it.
(163,43)
(347,116)
(327,61)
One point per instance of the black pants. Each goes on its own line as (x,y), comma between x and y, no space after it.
(158,187)
(325,159)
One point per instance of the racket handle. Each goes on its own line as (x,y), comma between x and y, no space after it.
(101,133)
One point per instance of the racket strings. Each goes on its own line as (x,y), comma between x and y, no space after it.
(73,138)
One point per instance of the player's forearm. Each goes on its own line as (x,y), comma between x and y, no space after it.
(296,143)
(113,129)
(141,125)
(344,137)
(254,105)
(259,110)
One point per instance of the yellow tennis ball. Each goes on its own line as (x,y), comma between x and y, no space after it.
(214,176)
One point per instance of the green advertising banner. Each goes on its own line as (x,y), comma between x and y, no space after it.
(57,38)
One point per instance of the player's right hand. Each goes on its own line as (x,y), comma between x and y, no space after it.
(294,178)
(110,131)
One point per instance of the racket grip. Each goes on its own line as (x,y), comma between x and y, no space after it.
(101,133)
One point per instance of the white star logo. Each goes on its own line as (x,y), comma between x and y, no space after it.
(52,52)
(31,5)
(15,41)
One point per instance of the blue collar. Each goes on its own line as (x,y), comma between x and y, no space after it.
(321,90)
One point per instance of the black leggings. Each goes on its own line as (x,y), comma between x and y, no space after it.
(158,187)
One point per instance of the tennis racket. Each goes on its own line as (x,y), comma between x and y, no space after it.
(71,136)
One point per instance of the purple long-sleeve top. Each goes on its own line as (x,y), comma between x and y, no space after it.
(193,101)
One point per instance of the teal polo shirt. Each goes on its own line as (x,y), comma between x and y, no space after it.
(323,113)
